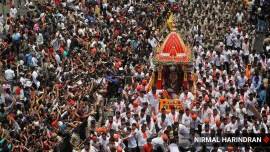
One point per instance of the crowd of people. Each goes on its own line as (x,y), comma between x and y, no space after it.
(259,12)
(74,76)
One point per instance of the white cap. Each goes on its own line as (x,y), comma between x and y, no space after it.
(60,123)
(111,20)
(21,62)
(79,82)
(36,123)
(19,112)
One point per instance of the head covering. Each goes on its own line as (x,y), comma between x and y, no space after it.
(94,138)
(61,49)
(144,82)
(135,103)
(139,88)
(206,120)
(222,99)
(164,137)
(116,136)
(206,98)
(194,116)
(18,90)
(119,149)
(71,102)
(101,130)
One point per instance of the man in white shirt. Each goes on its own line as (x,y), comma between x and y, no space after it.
(239,17)
(150,125)
(217,60)
(86,147)
(229,40)
(34,78)
(9,74)
(237,43)
(241,80)
(198,38)
(206,111)
(186,118)
(163,121)
(13,11)
(263,126)
(186,98)
(153,42)
(110,124)
(232,126)
(256,127)
(222,106)
(119,105)
(214,117)
(153,100)
(173,147)
(183,135)
(132,137)
(95,145)
(245,48)
(58,59)
(34,61)
(250,105)
(142,98)
(1,18)
(159,143)
(104,141)
(173,115)
(143,134)
(39,39)
(117,118)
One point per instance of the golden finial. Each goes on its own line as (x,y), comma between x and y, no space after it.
(171,23)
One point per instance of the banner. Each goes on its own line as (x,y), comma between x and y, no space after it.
(169,103)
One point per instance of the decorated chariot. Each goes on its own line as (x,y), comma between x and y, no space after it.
(173,67)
